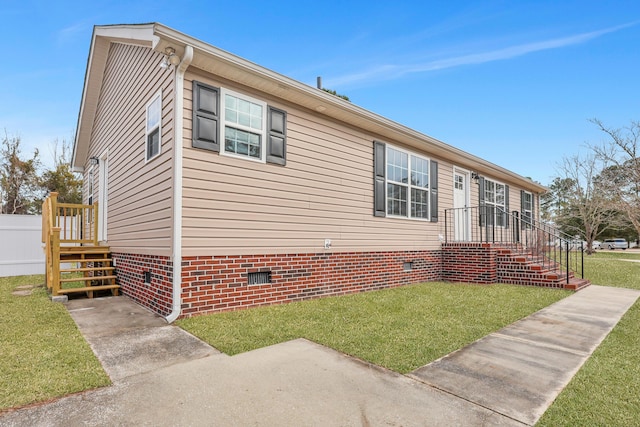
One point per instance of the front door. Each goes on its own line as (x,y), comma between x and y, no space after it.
(462,215)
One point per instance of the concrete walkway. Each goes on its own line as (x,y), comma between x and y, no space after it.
(163,376)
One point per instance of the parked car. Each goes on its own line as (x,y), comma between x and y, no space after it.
(614,244)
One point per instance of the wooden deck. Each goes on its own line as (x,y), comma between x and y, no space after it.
(75,261)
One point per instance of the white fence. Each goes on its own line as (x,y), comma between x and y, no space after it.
(21,245)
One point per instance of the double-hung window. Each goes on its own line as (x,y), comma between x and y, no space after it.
(495,203)
(248,128)
(244,122)
(407,184)
(527,209)
(154,118)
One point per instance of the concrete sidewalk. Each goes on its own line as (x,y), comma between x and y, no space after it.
(519,370)
(164,376)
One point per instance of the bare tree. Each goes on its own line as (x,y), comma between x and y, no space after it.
(621,152)
(586,208)
(19,180)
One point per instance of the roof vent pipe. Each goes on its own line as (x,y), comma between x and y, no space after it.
(319,82)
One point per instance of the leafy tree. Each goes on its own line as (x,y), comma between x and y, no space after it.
(622,177)
(19,180)
(62,179)
(555,202)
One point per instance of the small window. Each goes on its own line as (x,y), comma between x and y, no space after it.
(154,114)
(527,208)
(244,121)
(459,182)
(90,184)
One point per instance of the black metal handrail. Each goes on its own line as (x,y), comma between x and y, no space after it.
(554,250)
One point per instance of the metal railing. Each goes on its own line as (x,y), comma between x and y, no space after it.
(545,244)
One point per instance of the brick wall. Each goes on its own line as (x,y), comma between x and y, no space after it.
(220,283)
(155,295)
(469,262)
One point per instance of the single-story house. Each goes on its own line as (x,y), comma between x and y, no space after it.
(222,184)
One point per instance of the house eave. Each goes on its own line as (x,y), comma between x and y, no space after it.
(231,67)
(234,68)
(101,39)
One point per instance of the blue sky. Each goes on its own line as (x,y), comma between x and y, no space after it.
(513,82)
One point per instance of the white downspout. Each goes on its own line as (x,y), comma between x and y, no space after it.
(177,183)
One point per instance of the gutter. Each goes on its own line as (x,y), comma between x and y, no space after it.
(177,183)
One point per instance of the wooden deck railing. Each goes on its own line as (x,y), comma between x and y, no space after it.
(65,224)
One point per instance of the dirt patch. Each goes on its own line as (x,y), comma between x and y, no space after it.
(25,290)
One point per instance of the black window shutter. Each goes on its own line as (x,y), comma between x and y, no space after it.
(276,136)
(506,206)
(433,185)
(206,101)
(379,167)
(481,204)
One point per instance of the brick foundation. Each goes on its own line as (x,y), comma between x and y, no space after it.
(469,262)
(156,295)
(220,283)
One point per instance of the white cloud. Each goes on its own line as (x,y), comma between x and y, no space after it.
(393,71)
(72,32)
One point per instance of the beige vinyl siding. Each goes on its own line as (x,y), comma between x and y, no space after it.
(139,192)
(233,206)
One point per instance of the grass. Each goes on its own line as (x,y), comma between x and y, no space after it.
(605,391)
(608,268)
(43,355)
(400,329)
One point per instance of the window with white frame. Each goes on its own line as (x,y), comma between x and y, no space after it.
(154,118)
(407,184)
(244,121)
(495,202)
(527,208)
(90,185)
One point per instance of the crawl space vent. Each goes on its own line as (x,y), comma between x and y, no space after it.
(259,278)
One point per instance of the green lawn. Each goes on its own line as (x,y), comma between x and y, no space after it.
(606,391)
(400,329)
(42,353)
(607,268)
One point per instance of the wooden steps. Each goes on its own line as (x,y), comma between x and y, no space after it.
(90,289)
(89,268)
(87,279)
